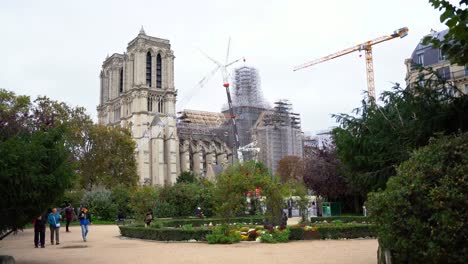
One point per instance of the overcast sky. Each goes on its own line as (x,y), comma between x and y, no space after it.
(56,48)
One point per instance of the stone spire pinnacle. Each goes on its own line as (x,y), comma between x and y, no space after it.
(142,31)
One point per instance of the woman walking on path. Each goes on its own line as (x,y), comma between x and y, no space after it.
(54,224)
(85,220)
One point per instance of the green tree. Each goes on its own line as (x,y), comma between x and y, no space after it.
(455,42)
(143,200)
(108,158)
(379,137)
(422,216)
(34,162)
(187,177)
(121,197)
(233,184)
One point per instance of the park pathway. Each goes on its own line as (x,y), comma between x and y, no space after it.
(105,245)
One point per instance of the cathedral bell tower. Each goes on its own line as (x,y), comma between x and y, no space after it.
(137,91)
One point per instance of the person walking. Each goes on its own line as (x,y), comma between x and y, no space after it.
(121,217)
(85,220)
(39,231)
(54,224)
(68,216)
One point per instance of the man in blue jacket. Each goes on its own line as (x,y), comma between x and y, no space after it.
(85,219)
(54,223)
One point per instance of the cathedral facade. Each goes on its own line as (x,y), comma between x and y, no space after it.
(137,92)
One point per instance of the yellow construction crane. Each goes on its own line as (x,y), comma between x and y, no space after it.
(367,47)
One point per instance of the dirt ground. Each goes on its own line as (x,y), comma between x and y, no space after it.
(105,245)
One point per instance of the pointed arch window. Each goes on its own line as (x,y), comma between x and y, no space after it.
(121,81)
(158,71)
(148,69)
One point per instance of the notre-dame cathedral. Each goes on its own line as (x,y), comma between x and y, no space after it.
(137,91)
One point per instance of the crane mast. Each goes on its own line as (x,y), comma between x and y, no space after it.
(367,48)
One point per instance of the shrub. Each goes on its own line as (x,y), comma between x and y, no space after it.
(344,219)
(223,235)
(296,233)
(345,231)
(422,216)
(206,221)
(188,227)
(164,209)
(276,236)
(144,199)
(163,234)
(187,177)
(121,196)
(99,202)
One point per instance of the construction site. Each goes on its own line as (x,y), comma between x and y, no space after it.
(264,133)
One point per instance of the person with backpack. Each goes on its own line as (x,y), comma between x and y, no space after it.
(68,216)
(39,231)
(85,220)
(54,224)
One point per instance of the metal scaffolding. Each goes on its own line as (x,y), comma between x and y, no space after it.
(278,133)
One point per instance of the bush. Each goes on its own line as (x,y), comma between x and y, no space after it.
(345,231)
(187,177)
(223,235)
(164,209)
(344,219)
(143,200)
(296,233)
(276,236)
(121,196)
(206,221)
(99,202)
(164,234)
(422,216)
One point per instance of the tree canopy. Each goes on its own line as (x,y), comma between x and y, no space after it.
(377,138)
(34,160)
(455,42)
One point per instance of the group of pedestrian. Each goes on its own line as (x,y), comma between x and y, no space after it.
(53,218)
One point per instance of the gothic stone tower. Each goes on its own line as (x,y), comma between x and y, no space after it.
(137,91)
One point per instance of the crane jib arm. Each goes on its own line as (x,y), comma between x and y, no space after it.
(402,32)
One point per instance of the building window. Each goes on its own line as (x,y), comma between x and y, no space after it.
(150,104)
(158,71)
(421,59)
(160,105)
(148,69)
(444,73)
(121,81)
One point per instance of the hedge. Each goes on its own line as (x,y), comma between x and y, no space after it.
(164,234)
(333,232)
(344,219)
(202,221)
(326,231)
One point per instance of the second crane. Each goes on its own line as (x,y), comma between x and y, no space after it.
(367,47)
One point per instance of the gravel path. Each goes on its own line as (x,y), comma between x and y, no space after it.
(106,246)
